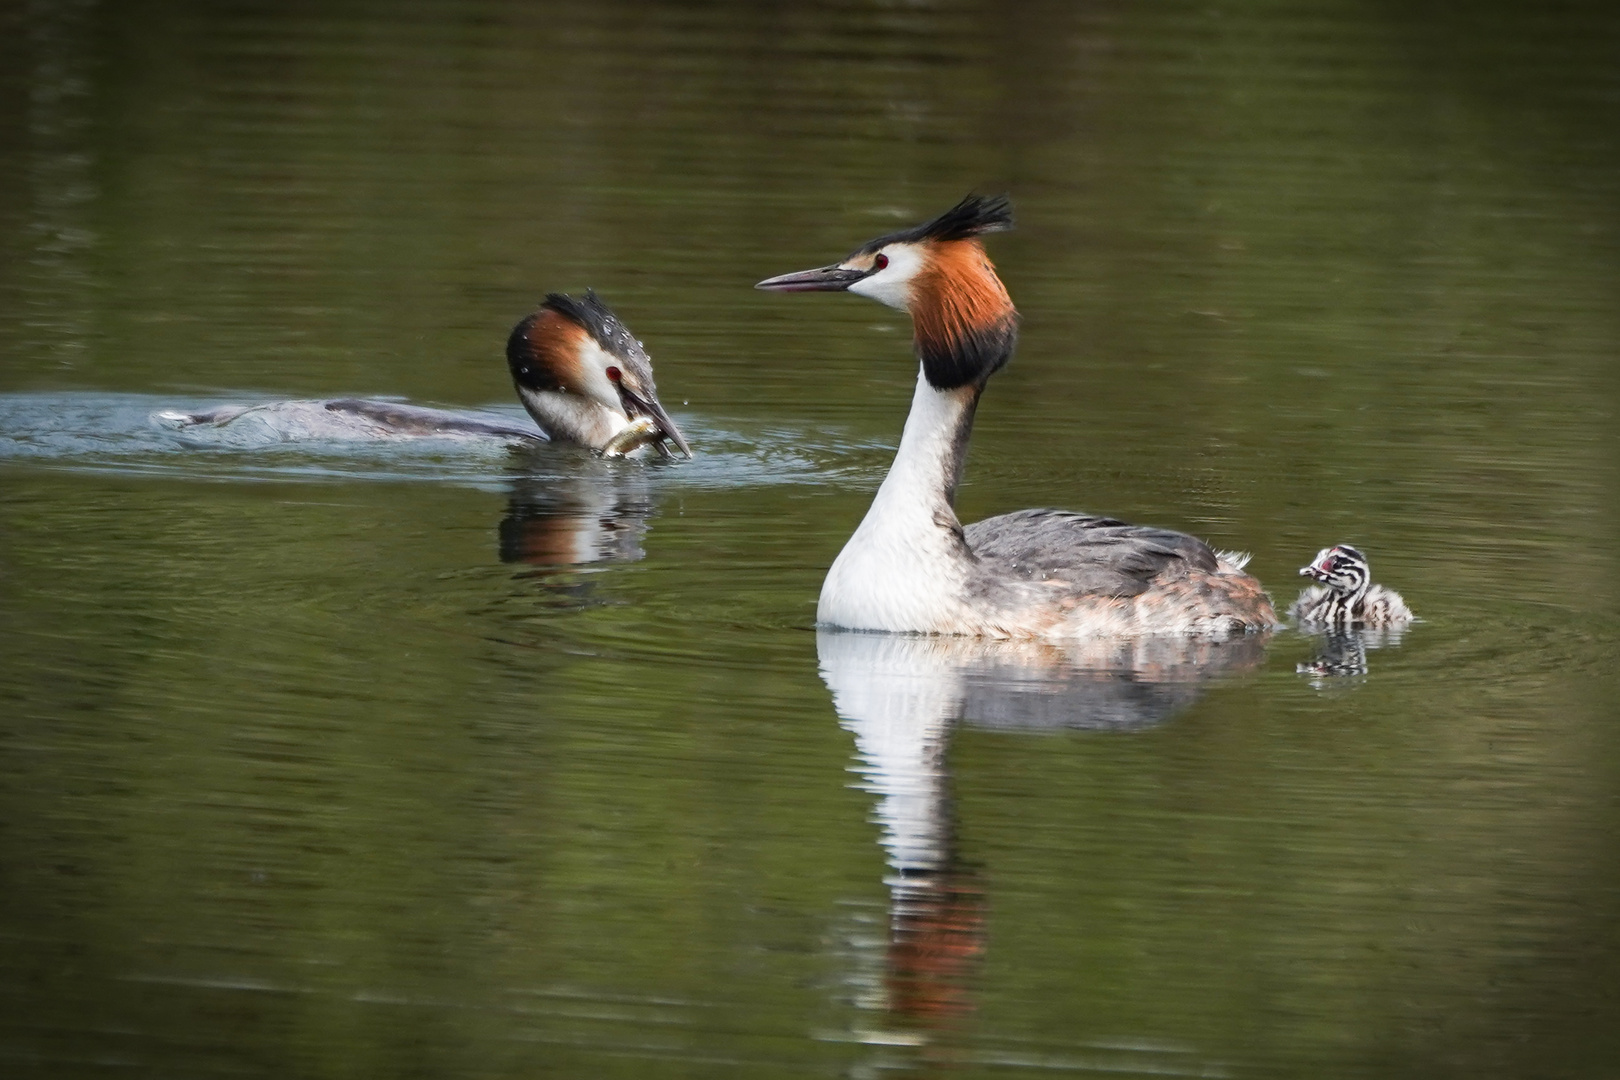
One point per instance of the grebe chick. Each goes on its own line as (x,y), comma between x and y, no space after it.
(911,566)
(1346,595)
(578,371)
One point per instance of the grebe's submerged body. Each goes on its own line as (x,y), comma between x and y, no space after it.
(579,372)
(1346,595)
(912,567)
(341,419)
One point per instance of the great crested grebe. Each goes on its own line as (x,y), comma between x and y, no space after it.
(1346,595)
(585,378)
(578,371)
(911,566)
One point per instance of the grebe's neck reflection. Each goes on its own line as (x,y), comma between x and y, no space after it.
(901,696)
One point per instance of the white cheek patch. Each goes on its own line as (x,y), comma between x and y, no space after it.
(892,284)
(590,376)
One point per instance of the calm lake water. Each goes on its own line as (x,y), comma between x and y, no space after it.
(449,760)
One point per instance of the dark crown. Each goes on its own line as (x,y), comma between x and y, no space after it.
(596,319)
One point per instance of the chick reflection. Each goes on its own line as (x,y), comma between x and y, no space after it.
(1343,652)
(558,521)
(900,696)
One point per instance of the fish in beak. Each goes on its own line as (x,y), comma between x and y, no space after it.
(585,378)
(648,420)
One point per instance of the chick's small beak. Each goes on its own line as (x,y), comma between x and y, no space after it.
(1319,571)
(636,404)
(832,278)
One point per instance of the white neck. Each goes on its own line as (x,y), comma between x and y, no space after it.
(572,417)
(904,568)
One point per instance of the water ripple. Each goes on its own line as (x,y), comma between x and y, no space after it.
(91,431)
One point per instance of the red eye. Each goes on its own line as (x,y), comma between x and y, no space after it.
(614,374)
(881,261)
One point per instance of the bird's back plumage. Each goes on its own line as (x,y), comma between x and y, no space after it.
(1092,554)
(1081,574)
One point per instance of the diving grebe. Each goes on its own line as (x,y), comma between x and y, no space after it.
(577,369)
(911,566)
(1346,595)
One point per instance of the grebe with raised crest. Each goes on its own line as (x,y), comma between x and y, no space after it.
(911,566)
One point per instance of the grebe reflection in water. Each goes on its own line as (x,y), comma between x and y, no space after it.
(554,521)
(902,696)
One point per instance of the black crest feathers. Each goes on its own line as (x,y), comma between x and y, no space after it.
(973,216)
(591,313)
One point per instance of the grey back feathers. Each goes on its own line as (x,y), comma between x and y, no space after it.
(1085,574)
(1090,555)
(412,420)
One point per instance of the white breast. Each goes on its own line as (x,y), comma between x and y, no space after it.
(904,569)
(894,576)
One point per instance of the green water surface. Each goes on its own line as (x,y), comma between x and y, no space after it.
(325,761)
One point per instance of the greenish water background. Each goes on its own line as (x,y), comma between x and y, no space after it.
(305,771)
